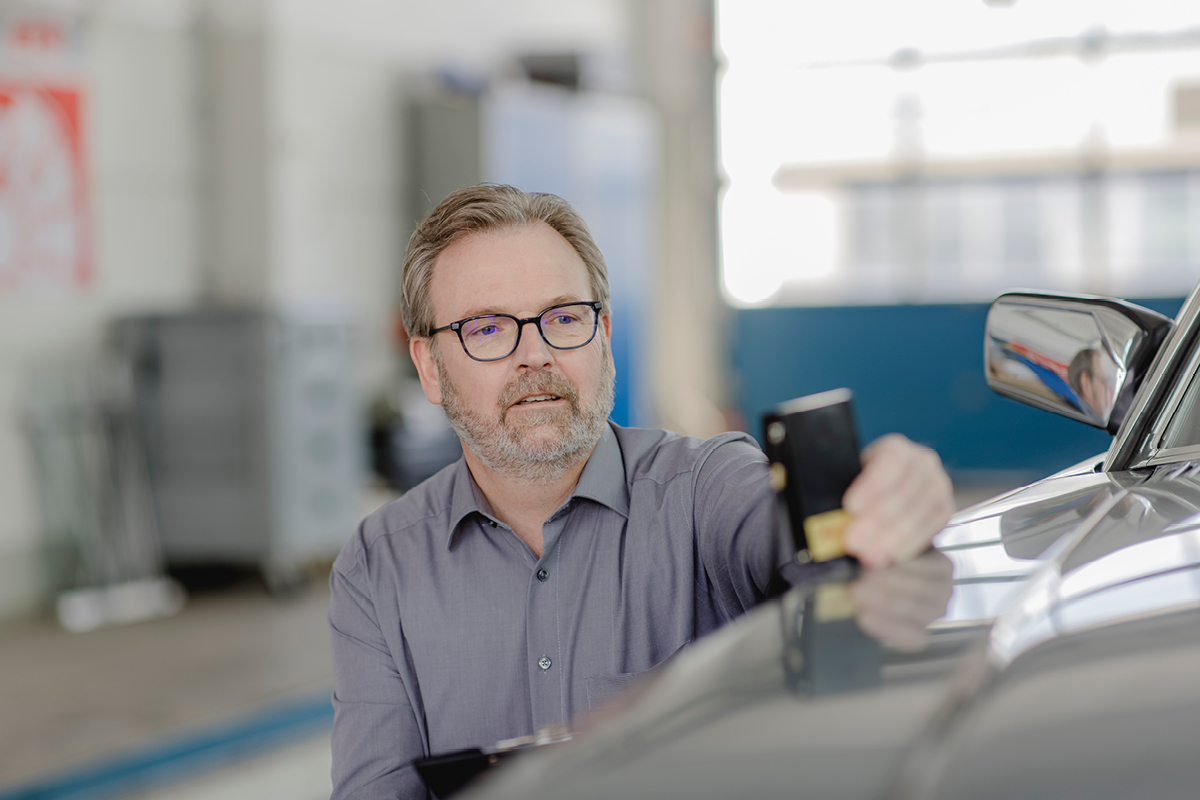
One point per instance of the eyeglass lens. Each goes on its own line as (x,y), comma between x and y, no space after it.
(563,327)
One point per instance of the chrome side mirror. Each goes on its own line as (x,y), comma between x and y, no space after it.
(1082,357)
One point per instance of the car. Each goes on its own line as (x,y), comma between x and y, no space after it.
(1049,646)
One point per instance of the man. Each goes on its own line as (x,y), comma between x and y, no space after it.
(1089,379)
(563,556)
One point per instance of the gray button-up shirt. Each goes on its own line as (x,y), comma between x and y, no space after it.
(448,632)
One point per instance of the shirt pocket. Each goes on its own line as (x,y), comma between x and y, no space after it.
(602,688)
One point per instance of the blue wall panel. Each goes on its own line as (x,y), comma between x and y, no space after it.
(914,369)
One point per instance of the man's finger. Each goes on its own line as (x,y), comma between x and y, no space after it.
(883,469)
(897,528)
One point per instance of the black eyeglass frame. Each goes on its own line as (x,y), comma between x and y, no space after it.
(457,326)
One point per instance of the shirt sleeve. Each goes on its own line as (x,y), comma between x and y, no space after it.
(741,536)
(376,734)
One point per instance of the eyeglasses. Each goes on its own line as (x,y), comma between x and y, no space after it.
(493,337)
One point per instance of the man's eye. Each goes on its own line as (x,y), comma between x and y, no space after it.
(483,330)
(564,318)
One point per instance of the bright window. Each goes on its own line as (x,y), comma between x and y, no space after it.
(942,150)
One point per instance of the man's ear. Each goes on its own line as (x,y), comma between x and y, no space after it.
(606,324)
(420,350)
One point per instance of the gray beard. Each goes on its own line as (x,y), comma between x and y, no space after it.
(508,450)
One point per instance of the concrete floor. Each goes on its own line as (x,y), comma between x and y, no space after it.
(296,772)
(71,700)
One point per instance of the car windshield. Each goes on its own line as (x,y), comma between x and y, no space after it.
(1184,428)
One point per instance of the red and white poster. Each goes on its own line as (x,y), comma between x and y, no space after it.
(44,229)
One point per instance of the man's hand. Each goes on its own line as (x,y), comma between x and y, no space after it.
(898,502)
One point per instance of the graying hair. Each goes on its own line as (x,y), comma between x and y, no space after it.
(478,209)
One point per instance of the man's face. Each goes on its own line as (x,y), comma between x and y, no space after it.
(491,405)
(1096,387)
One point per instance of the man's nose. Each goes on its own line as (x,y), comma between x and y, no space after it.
(532,350)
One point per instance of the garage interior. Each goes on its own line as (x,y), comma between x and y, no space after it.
(204,206)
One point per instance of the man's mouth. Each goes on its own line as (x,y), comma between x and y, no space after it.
(537,390)
(537,398)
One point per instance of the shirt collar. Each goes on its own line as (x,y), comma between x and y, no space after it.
(602,480)
(603,476)
(466,499)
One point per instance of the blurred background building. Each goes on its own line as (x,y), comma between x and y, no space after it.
(203,211)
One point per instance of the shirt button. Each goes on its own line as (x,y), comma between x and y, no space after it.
(542,575)
(544,662)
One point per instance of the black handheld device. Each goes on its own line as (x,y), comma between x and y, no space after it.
(813,449)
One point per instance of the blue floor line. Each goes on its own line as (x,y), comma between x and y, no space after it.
(183,756)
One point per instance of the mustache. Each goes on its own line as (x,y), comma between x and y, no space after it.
(538,383)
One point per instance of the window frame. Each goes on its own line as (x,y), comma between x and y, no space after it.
(1136,444)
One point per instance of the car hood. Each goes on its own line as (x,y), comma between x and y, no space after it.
(1064,665)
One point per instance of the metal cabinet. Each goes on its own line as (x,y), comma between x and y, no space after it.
(252,434)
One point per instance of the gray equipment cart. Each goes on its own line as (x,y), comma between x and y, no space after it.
(252,433)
